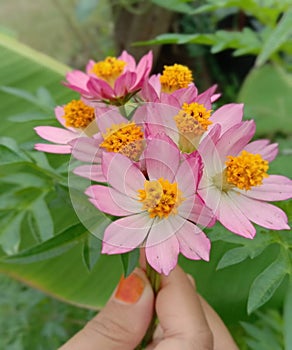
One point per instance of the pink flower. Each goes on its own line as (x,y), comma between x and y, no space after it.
(114,80)
(117,134)
(160,211)
(235,183)
(188,124)
(76,117)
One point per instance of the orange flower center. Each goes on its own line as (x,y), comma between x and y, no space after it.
(175,77)
(77,114)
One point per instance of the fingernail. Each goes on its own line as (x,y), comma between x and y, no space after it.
(130,289)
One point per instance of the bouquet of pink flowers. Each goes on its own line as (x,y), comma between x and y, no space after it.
(163,162)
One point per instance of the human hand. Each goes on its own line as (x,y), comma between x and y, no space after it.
(186,320)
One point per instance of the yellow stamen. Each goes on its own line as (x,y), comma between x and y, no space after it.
(175,77)
(109,69)
(77,114)
(193,118)
(127,139)
(160,198)
(246,170)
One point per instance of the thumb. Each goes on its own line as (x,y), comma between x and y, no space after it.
(122,323)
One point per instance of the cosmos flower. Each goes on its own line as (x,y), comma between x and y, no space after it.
(235,182)
(76,117)
(114,80)
(159,208)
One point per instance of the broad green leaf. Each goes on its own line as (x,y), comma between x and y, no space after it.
(233,256)
(288,316)
(266,283)
(10,233)
(41,220)
(130,261)
(7,156)
(271,108)
(52,247)
(278,37)
(91,250)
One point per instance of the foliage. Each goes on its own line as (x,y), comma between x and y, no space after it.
(31,320)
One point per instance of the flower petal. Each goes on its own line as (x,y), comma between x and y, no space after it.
(163,256)
(100,89)
(274,188)
(86,149)
(129,59)
(57,135)
(77,80)
(125,83)
(193,243)
(125,234)
(162,158)
(122,174)
(261,213)
(233,218)
(189,174)
(92,172)
(60,149)
(263,147)
(234,140)
(111,201)
(227,116)
(108,119)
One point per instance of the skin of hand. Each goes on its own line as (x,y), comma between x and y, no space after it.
(186,320)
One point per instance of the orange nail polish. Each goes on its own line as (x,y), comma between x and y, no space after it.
(130,289)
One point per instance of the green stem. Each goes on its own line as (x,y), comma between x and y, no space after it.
(154,278)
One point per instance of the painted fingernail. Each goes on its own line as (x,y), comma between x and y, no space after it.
(130,289)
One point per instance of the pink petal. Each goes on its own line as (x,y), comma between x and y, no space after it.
(77,81)
(59,113)
(126,234)
(233,218)
(194,209)
(124,84)
(122,174)
(56,135)
(205,97)
(111,201)
(163,163)
(274,188)
(90,66)
(60,149)
(143,68)
(100,89)
(189,175)
(193,243)
(86,149)
(148,93)
(108,119)
(188,94)
(234,140)
(261,213)
(263,147)
(129,59)
(163,256)
(92,172)
(209,153)
(228,116)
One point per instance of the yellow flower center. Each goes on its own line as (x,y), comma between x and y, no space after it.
(109,69)
(175,77)
(127,139)
(193,118)
(77,114)
(160,198)
(246,170)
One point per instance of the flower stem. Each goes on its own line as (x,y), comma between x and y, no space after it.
(154,278)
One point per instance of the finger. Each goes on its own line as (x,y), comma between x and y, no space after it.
(181,315)
(222,337)
(124,320)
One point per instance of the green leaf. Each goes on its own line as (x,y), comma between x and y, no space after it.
(50,248)
(10,233)
(288,316)
(7,156)
(266,283)
(233,256)
(271,108)
(278,37)
(41,221)
(91,251)
(130,261)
